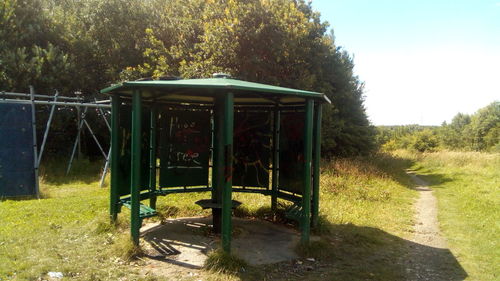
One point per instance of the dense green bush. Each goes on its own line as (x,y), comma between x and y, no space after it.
(88,45)
(424,141)
(477,132)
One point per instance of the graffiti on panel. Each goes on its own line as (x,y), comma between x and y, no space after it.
(252,148)
(291,152)
(184,148)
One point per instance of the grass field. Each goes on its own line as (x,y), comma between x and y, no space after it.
(467,185)
(365,208)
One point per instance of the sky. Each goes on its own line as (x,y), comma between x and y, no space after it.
(422,61)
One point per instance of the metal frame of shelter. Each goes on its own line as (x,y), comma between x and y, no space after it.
(55,101)
(142,110)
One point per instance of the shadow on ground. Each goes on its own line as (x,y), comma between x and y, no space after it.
(344,252)
(187,241)
(53,171)
(397,167)
(431,179)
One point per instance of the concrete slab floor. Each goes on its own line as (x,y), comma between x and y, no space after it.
(186,241)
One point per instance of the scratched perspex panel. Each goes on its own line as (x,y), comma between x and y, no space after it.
(184,148)
(252,148)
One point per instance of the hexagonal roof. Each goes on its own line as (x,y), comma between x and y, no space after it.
(203,90)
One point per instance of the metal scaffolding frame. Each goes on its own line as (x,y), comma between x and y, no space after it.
(55,101)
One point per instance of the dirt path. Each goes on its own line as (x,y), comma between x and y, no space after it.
(426,223)
(428,256)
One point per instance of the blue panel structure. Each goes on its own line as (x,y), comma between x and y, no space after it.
(17,173)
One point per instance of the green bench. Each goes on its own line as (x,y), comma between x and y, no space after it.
(294,212)
(144,211)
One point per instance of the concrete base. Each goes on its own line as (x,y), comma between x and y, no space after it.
(186,241)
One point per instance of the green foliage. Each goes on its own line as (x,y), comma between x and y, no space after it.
(484,127)
(48,68)
(478,132)
(277,42)
(87,45)
(29,51)
(423,141)
(125,248)
(413,137)
(453,136)
(46,43)
(222,262)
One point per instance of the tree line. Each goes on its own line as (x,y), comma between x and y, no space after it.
(87,45)
(476,132)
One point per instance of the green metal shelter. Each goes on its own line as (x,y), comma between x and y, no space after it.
(220,135)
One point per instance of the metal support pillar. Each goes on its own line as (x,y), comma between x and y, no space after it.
(61,103)
(228,171)
(218,163)
(316,164)
(306,196)
(23,95)
(135,220)
(84,121)
(35,147)
(276,160)
(77,140)
(106,165)
(105,169)
(101,111)
(115,156)
(152,157)
(47,128)
(95,138)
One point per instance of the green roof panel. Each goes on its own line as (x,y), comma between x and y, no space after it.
(208,86)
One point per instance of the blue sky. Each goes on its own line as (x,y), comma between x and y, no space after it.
(422,61)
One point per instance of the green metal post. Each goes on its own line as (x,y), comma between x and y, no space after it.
(218,163)
(115,156)
(152,157)
(316,164)
(306,196)
(276,160)
(135,220)
(228,171)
